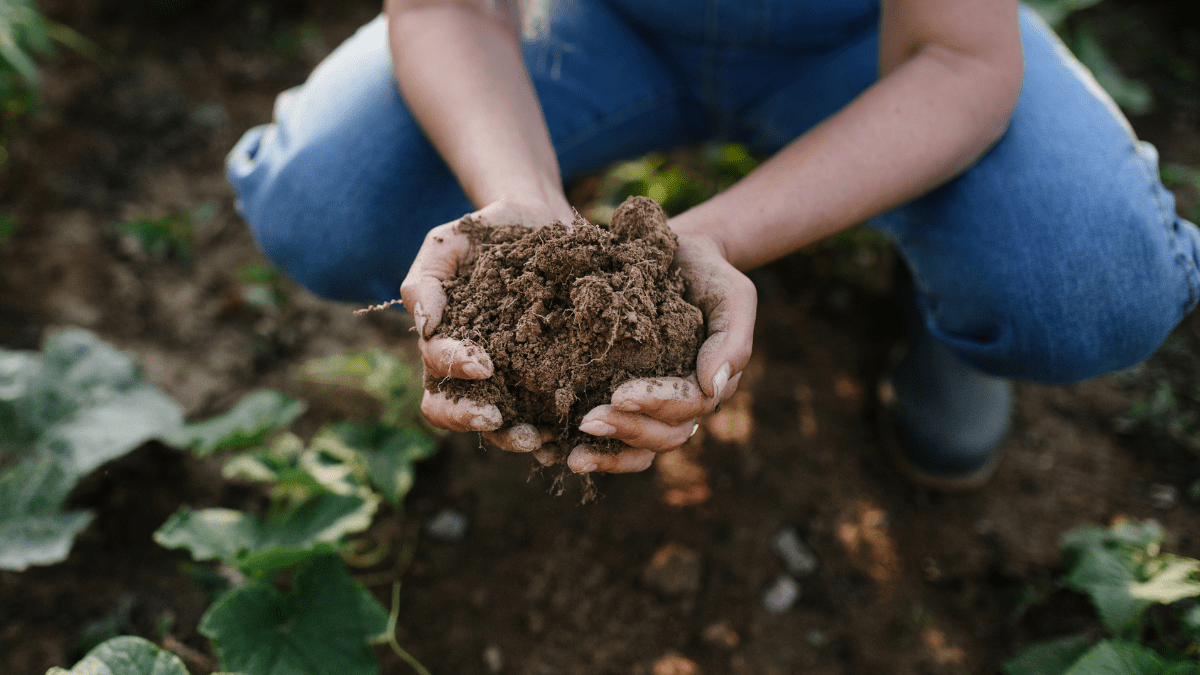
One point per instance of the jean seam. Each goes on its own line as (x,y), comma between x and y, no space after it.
(1170,219)
(616,118)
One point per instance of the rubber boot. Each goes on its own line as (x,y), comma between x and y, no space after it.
(944,420)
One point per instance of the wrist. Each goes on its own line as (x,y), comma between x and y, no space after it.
(695,230)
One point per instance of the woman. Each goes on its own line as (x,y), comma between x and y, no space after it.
(1040,242)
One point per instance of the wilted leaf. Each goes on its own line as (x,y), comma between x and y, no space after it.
(1113,657)
(260,548)
(126,655)
(1053,657)
(33,528)
(324,626)
(1171,581)
(248,423)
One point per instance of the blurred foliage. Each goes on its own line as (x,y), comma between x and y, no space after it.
(677,180)
(24,35)
(169,236)
(1132,95)
(1177,175)
(8,224)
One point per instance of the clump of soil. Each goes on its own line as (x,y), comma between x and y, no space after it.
(568,313)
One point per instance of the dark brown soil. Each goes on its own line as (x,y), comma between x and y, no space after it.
(568,313)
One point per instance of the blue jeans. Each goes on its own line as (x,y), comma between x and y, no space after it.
(1057,257)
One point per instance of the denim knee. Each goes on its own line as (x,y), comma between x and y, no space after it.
(1064,321)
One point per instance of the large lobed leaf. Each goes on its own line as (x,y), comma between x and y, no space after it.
(81,397)
(248,423)
(34,530)
(63,412)
(260,548)
(1121,569)
(324,626)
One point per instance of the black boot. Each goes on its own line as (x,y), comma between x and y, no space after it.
(944,420)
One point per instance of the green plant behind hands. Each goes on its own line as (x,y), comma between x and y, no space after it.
(64,411)
(1125,573)
(321,492)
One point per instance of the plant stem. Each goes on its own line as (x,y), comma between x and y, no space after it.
(393,616)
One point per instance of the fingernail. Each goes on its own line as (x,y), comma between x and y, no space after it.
(420,318)
(586,468)
(597,428)
(475,371)
(481,423)
(720,380)
(627,406)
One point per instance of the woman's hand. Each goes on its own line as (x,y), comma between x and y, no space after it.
(444,251)
(658,415)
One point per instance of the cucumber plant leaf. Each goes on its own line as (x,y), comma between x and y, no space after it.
(260,547)
(126,655)
(248,423)
(1122,570)
(1053,657)
(34,530)
(323,626)
(81,397)
(1116,657)
(389,453)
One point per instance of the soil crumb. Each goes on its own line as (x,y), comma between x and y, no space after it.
(568,313)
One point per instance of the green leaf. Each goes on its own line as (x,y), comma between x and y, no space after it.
(379,374)
(126,655)
(81,397)
(1121,569)
(1053,657)
(1114,657)
(260,548)
(33,528)
(248,423)
(1128,534)
(1107,576)
(322,627)
(389,453)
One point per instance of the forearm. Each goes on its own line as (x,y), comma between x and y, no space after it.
(922,124)
(462,76)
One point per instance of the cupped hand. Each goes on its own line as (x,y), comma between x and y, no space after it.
(440,258)
(658,415)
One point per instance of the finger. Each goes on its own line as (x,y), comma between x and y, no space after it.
(729,301)
(548,455)
(447,357)
(636,430)
(672,400)
(585,460)
(437,260)
(730,340)
(460,415)
(519,438)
